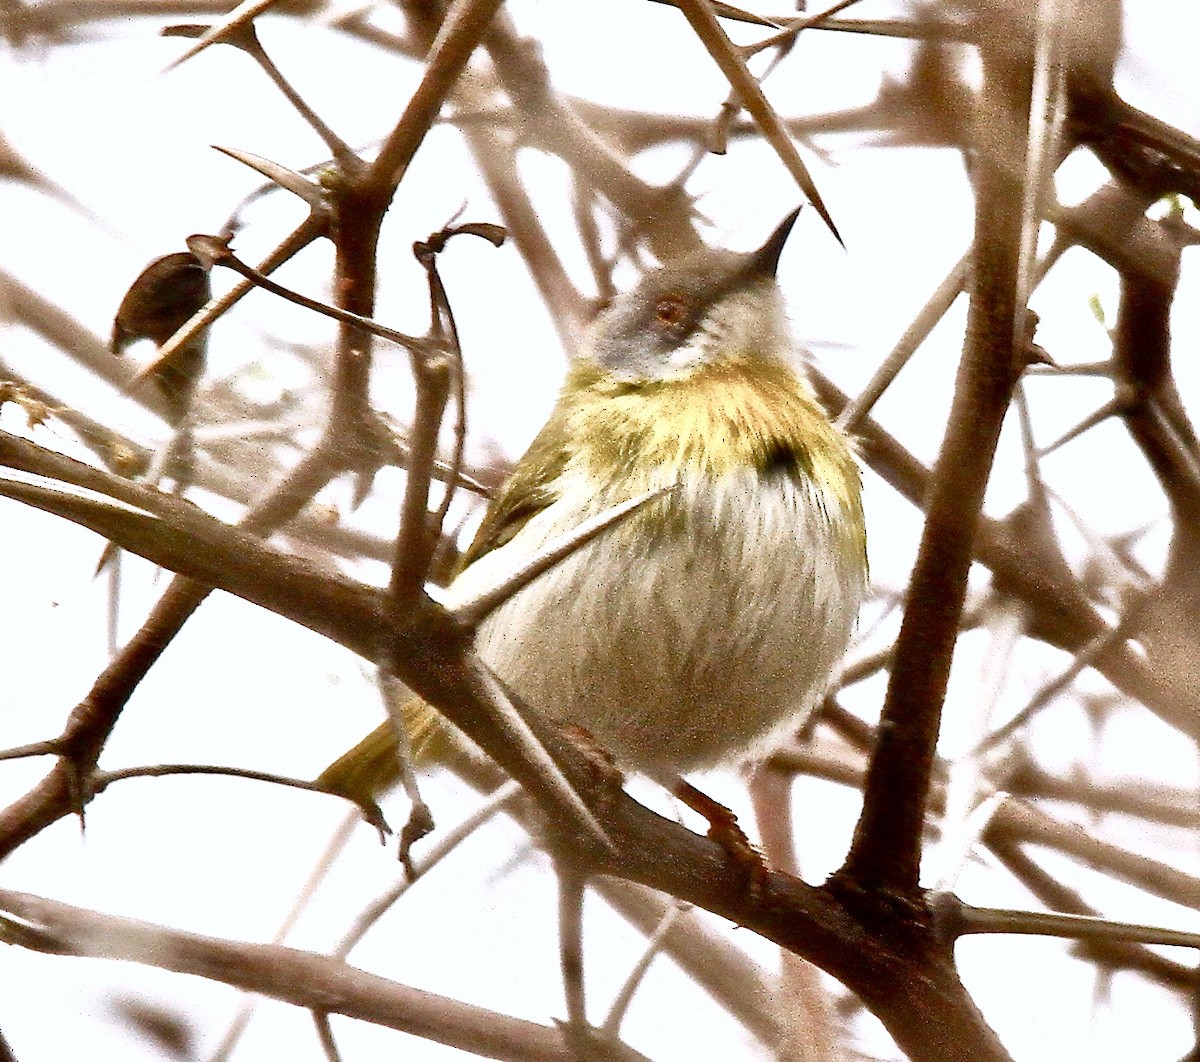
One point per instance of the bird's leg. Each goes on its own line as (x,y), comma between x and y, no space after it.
(724,829)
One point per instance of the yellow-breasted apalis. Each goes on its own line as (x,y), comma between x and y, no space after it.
(706,625)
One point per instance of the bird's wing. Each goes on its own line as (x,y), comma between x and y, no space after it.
(528,491)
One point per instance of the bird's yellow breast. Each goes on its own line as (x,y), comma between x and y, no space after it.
(735,414)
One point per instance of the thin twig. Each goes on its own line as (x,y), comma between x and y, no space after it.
(305,233)
(325,1035)
(464,26)
(337,843)
(633,981)
(1051,690)
(215,250)
(415,540)
(1057,896)
(473,612)
(914,335)
(231,26)
(101,780)
(435,374)
(967,782)
(571,888)
(1114,407)
(301,978)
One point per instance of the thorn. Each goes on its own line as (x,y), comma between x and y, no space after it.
(290,180)
(474,611)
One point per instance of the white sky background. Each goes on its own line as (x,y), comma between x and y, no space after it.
(226,857)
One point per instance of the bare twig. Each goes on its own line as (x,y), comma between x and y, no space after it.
(914,335)
(571,889)
(325,1035)
(654,945)
(215,250)
(299,977)
(960,919)
(310,229)
(473,612)
(230,27)
(101,780)
(464,26)
(241,34)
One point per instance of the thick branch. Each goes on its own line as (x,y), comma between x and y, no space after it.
(886,853)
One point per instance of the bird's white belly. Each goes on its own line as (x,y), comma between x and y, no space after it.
(700,628)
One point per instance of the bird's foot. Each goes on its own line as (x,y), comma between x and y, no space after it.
(747,861)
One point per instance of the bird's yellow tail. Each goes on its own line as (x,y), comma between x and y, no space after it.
(371,767)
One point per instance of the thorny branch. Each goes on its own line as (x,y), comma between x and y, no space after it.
(872,919)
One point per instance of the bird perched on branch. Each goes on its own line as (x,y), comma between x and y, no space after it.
(707,624)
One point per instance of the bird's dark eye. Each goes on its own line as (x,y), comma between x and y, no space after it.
(670,311)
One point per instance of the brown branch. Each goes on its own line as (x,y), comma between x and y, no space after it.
(182,537)
(1034,572)
(101,780)
(1155,803)
(314,226)
(92,720)
(435,373)
(215,251)
(662,215)
(242,35)
(494,148)
(416,540)
(1059,897)
(353,439)
(886,851)
(62,331)
(350,441)
(465,25)
(1142,364)
(302,978)
(964,920)
(1019,821)
(708,957)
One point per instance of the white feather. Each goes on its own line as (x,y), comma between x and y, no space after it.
(698,629)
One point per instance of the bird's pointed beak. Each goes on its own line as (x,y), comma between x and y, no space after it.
(764,261)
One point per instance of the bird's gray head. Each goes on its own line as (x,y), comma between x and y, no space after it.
(711,305)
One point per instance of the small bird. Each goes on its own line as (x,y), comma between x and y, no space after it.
(705,626)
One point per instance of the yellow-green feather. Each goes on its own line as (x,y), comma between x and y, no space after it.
(736,413)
